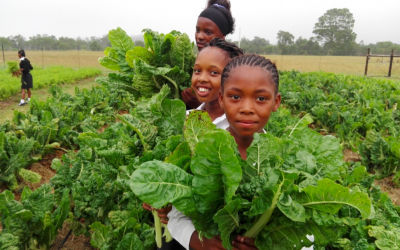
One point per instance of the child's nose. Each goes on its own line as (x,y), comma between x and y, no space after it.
(247,106)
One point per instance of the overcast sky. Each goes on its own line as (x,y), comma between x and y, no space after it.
(374,20)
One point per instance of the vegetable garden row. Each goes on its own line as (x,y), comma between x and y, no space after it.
(293,184)
(42,78)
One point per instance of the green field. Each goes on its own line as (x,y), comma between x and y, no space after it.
(351,65)
(54,75)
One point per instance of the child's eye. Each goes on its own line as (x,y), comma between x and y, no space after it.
(235,97)
(196,71)
(209,33)
(261,98)
(214,73)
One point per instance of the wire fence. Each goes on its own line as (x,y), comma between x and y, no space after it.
(73,58)
(354,65)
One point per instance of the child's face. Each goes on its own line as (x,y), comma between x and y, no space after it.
(206,30)
(248,100)
(206,78)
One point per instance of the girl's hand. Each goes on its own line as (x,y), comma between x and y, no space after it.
(162,213)
(243,243)
(190,98)
(147,207)
(206,244)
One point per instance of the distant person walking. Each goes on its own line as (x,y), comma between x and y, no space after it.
(26,78)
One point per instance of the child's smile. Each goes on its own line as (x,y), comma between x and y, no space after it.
(206,78)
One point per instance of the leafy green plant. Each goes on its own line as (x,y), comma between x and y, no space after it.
(165,59)
(37,211)
(14,157)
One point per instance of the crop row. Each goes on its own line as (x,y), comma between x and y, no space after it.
(44,77)
(362,112)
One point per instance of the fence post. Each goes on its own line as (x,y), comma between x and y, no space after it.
(366,63)
(391,63)
(4,59)
(79,60)
(42,59)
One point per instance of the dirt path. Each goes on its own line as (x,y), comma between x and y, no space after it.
(8,106)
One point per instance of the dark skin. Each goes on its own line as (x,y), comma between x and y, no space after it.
(248,98)
(206,30)
(206,79)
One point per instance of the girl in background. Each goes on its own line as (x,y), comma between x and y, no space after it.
(26,78)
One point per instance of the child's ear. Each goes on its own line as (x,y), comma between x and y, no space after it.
(277,102)
(220,99)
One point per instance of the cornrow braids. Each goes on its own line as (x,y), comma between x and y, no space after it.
(225,7)
(230,48)
(251,60)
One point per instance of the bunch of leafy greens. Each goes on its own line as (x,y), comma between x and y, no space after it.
(165,59)
(285,190)
(12,68)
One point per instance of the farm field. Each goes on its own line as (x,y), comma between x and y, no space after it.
(351,65)
(53,75)
(10,104)
(85,59)
(88,161)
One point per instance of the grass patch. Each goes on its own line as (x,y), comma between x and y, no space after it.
(44,77)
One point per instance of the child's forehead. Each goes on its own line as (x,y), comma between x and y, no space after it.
(245,75)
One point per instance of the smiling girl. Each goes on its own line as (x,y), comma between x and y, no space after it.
(206,81)
(215,21)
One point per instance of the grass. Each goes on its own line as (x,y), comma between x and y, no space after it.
(74,59)
(8,106)
(349,65)
(44,77)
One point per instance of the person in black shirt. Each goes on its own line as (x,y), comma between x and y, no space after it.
(26,78)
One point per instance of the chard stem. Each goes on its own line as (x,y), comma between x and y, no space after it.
(265,217)
(157,225)
(174,83)
(167,234)
(261,222)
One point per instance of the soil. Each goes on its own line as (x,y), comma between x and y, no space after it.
(351,156)
(73,242)
(387,186)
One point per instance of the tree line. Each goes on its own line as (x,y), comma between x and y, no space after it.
(51,42)
(334,35)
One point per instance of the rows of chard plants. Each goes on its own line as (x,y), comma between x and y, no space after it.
(50,76)
(362,112)
(293,184)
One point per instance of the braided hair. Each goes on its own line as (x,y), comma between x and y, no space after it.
(226,10)
(229,48)
(251,60)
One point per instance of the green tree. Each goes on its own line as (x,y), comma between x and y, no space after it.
(94,45)
(335,30)
(286,42)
